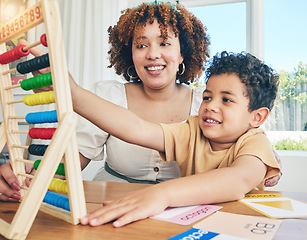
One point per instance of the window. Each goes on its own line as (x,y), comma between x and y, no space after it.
(286,51)
(226,25)
(274,31)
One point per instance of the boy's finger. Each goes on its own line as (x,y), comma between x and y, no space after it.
(35,51)
(130,217)
(103,216)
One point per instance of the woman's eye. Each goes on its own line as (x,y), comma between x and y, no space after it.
(141,46)
(165,44)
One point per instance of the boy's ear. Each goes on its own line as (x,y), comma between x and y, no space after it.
(259,116)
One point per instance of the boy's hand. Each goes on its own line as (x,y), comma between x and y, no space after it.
(36,52)
(132,207)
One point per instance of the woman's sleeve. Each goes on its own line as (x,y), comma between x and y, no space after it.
(90,138)
(197,98)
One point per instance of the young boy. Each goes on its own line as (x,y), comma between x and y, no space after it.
(221,152)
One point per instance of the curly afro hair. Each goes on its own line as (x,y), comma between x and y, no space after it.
(193,39)
(260,80)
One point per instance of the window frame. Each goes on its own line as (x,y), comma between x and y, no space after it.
(254,21)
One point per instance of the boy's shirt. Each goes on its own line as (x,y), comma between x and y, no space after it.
(185,143)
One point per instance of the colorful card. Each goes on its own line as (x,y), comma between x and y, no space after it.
(186,215)
(242,226)
(276,205)
(199,234)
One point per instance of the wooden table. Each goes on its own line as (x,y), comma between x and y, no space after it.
(48,227)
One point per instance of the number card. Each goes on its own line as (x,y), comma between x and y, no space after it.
(243,226)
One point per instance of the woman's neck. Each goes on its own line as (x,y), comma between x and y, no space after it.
(167,93)
(171,104)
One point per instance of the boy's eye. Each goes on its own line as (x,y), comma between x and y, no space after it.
(206,98)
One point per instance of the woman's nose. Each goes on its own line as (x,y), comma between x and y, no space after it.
(153,53)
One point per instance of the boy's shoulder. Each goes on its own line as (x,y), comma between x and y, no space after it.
(254,135)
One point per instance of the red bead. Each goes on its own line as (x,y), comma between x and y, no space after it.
(44,40)
(13,55)
(41,133)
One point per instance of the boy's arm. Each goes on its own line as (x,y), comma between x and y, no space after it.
(116,120)
(218,185)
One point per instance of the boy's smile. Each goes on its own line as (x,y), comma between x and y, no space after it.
(224,113)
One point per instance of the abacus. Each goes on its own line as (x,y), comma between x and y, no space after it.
(63,143)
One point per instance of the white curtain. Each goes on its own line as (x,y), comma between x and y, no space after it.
(85,24)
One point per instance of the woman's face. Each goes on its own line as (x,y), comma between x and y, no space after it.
(156,63)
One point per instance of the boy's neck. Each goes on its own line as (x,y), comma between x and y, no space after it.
(219,146)
(215,146)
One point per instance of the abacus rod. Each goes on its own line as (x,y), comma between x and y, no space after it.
(24,187)
(10,71)
(26,175)
(17,101)
(19,132)
(20,146)
(17,117)
(12,86)
(25,161)
(31,46)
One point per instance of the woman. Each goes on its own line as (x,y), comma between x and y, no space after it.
(151,58)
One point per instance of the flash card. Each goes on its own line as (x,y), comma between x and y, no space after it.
(243,226)
(186,215)
(276,205)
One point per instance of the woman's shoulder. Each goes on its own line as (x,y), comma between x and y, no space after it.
(113,91)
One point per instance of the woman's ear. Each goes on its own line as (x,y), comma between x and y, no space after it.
(259,116)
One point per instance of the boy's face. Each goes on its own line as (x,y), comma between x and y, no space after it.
(224,115)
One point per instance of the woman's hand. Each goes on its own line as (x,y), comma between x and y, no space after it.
(273,181)
(132,207)
(9,184)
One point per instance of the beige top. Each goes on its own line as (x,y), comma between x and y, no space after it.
(127,159)
(185,143)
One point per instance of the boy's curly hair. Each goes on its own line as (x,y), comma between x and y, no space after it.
(193,39)
(260,80)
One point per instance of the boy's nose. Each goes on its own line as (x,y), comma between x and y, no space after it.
(212,106)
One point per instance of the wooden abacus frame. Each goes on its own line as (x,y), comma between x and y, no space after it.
(63,144)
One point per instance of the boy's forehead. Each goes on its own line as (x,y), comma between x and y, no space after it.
(226,82)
